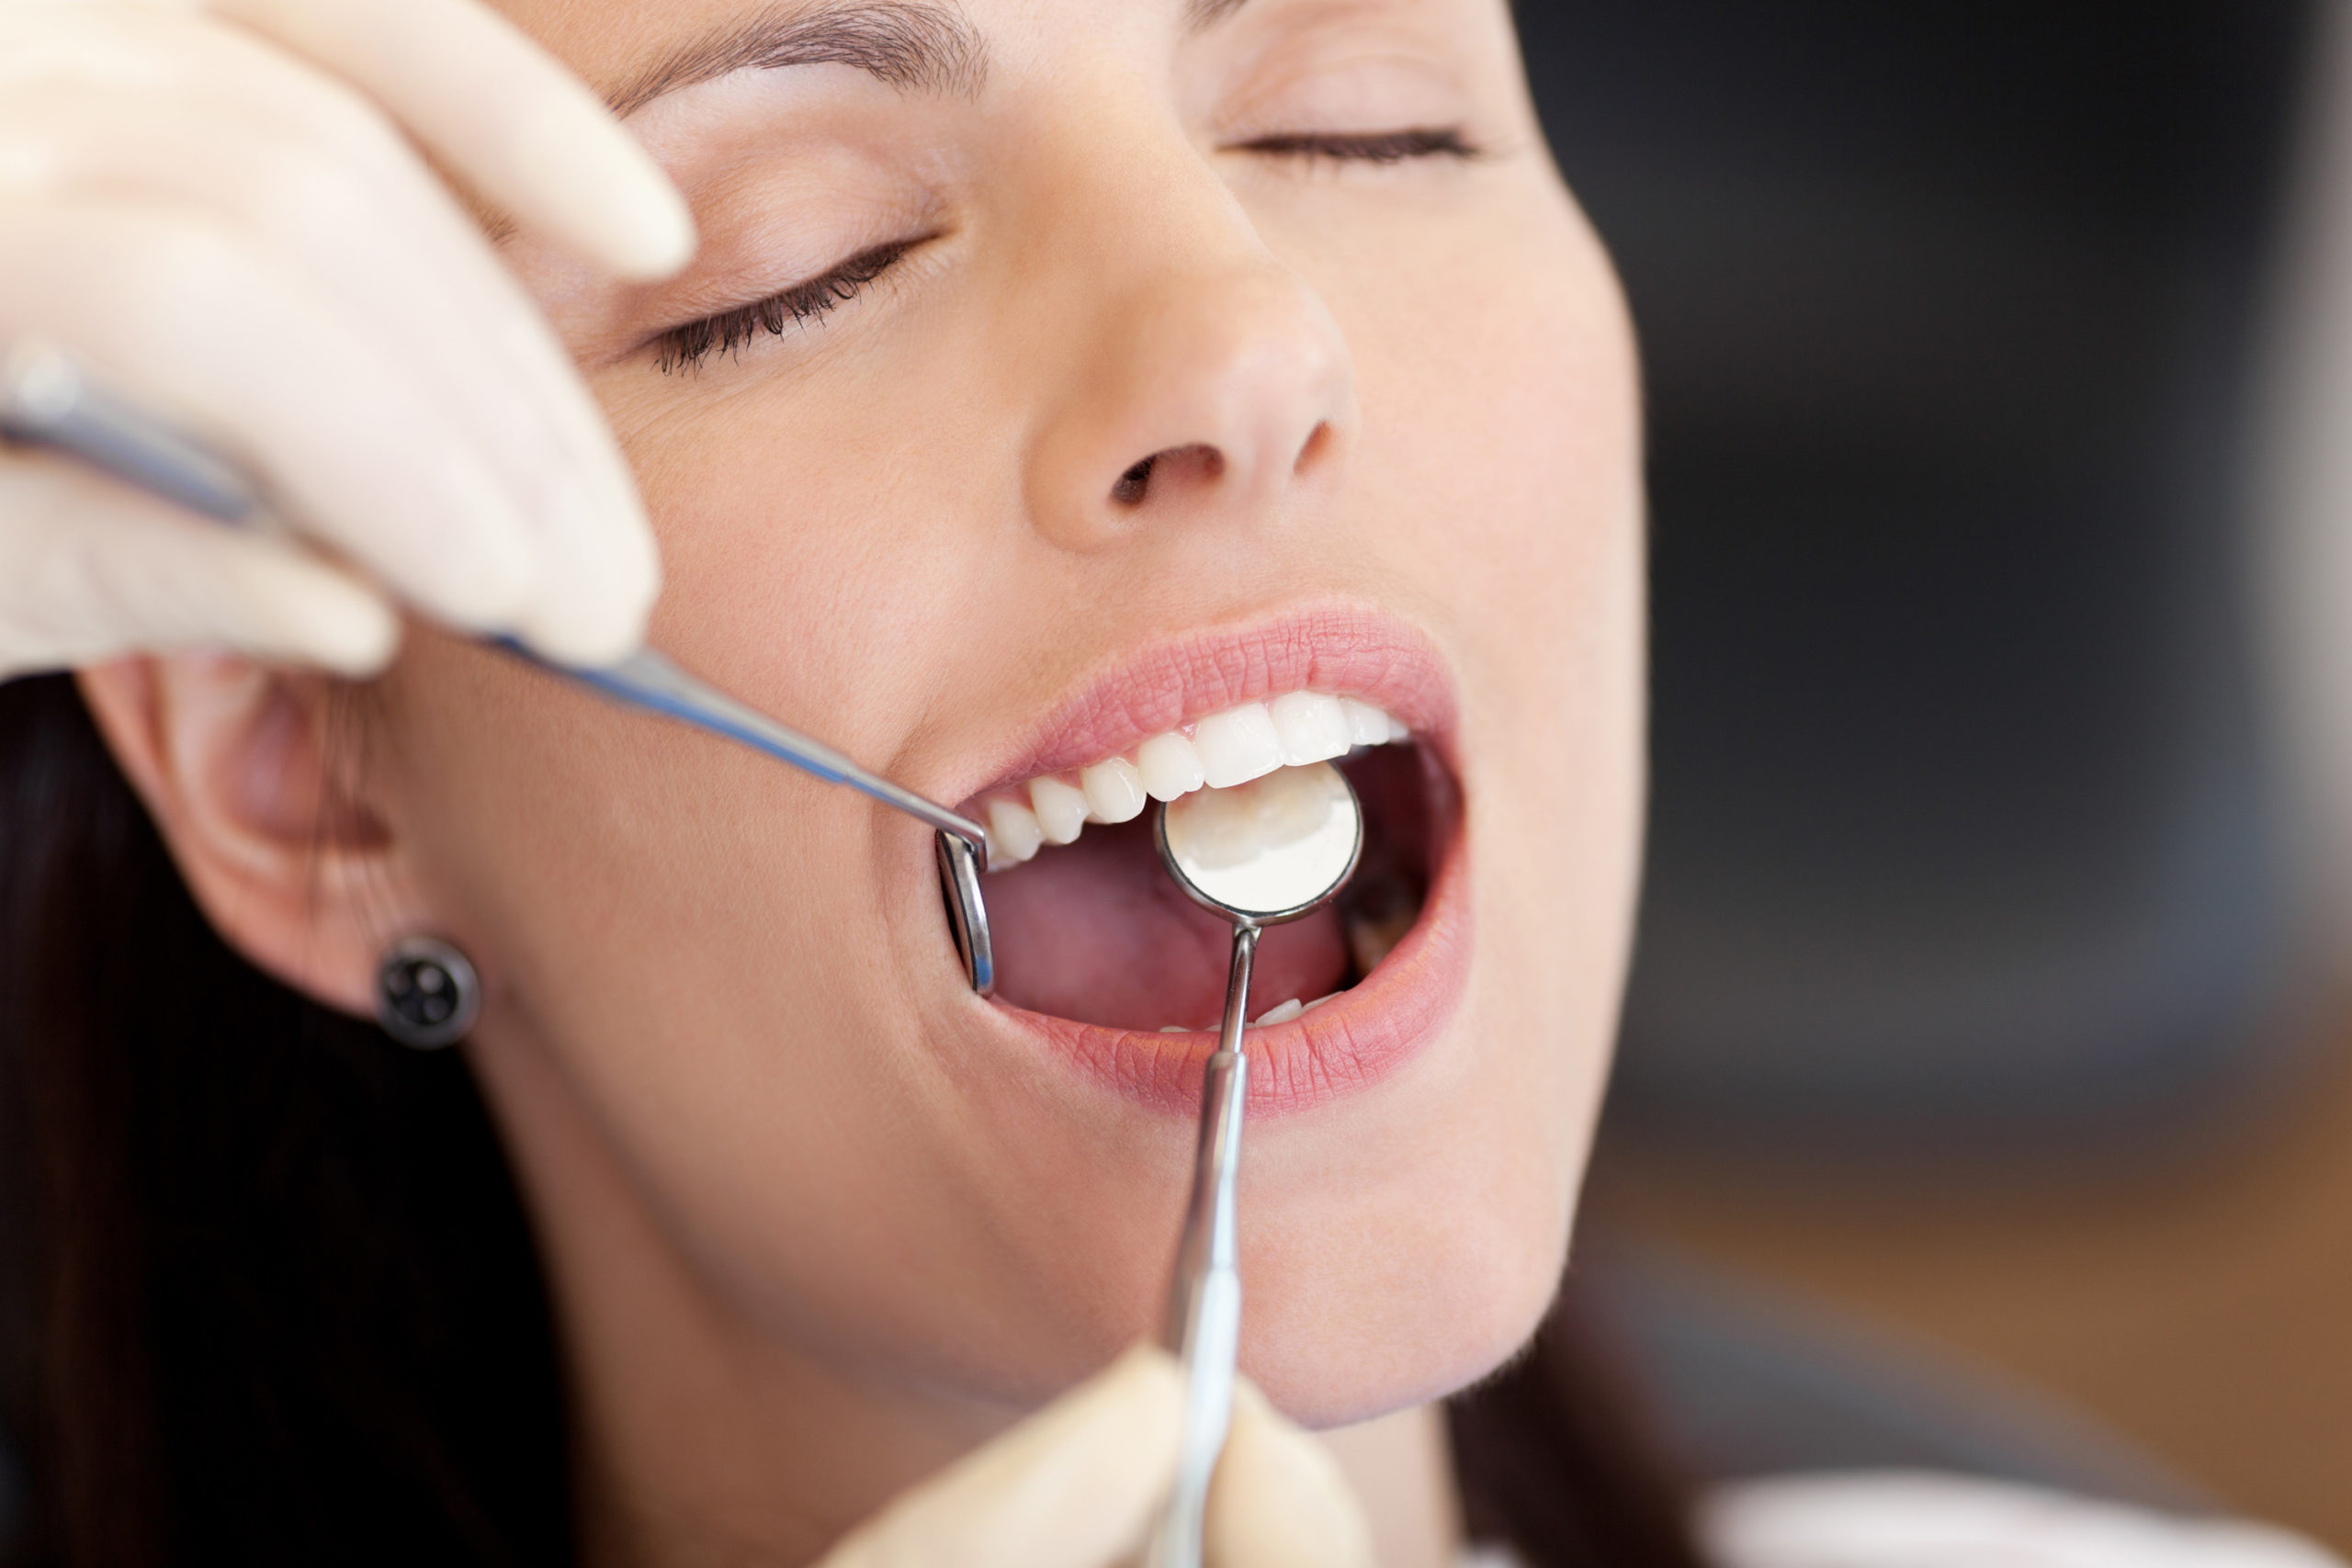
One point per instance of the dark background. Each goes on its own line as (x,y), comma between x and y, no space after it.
(1964,835)
(1985,1097)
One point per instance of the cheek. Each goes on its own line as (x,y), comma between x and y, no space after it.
(822,529)
(783,579)
(1408,1246)
(692,936)
(1503,464)
(642,902)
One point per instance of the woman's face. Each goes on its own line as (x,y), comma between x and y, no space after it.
(1056,374)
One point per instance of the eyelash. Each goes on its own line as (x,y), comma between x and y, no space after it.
(685,348)
(1371,147)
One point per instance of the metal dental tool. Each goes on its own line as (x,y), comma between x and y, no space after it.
(47,401)
(1260,854)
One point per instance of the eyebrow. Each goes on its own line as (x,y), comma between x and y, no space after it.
(911,44)
(1203,15)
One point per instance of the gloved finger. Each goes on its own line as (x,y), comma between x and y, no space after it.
(184,318)
(1074,1486)
(90,569)
(406,272)
(165,81)
(1279,1499)
(501,112)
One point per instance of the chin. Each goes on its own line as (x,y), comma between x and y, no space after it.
(1335,1342)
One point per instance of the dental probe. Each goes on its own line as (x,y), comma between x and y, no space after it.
(1260,854)
(47,401)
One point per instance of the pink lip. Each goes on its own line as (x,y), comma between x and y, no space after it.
(1341,649)
(1367,1032)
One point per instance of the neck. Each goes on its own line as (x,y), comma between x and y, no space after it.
(704,1438)
(701,1436)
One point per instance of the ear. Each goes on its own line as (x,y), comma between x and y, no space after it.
(250,774)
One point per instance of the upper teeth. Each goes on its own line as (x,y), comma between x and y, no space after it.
(1223,750)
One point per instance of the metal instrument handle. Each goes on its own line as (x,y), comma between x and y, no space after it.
(647,679)
(47,401)
(1205,1305)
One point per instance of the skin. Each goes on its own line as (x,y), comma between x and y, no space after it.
(808,1242)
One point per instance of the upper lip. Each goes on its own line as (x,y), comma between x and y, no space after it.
(1345,650)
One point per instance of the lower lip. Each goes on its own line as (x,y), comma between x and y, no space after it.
(1362,1036)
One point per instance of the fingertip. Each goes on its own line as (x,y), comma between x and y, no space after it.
(656,235)
(597,616)
(486,573)
(605,192)
(1072,1487)
(1155,1376)
(323,616)
(1280,1496)
(1146,1360)
(581,642)
(488,98)
(355,640)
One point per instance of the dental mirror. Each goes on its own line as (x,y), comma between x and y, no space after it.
(1268,852)
(1260,854)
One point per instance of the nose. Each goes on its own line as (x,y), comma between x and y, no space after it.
(1201,379)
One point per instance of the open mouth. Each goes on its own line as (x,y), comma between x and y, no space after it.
(1091,928)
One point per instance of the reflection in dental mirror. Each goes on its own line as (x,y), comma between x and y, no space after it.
(1267,851)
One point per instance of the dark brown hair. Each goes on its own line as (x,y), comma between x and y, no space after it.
(270,1296)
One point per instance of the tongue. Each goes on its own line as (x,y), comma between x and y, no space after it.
(1099,933)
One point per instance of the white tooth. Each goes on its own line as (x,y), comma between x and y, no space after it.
(1282,1014)
(1319,1001)
(1170,767)
(1367,726)
(1312,727)
(1113,790)
(1062,810)
(1237,746)
(1174,1029)
(1013,832)
(1399,731)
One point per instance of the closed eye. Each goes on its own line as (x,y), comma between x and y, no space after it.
(686,347)
(1371,147)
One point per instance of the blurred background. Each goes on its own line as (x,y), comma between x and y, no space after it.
(1985,1095)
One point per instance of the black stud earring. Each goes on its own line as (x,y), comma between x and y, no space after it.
(427,995)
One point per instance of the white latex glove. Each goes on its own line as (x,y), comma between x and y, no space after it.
(222,206)
(1082,1484)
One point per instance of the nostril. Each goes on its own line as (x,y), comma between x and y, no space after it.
(1135,484)
(1204,465)
(1319,441)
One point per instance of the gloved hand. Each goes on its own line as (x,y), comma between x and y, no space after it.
(1080,1485)
(216,205)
